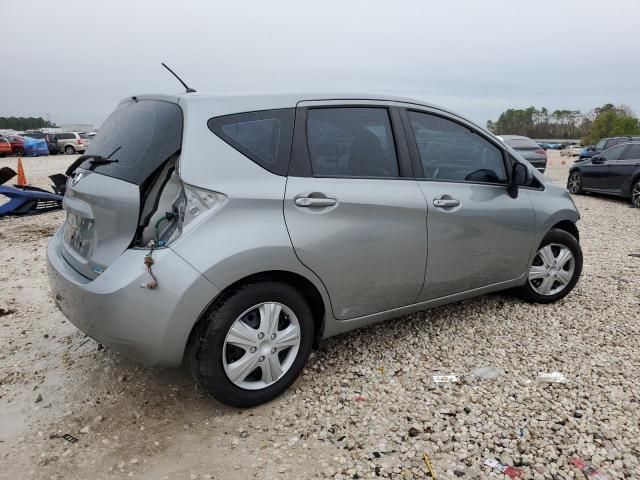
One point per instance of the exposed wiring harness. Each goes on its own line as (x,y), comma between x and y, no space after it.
(148,258)
(148,262)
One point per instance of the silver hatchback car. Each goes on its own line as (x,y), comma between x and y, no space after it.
(238,232)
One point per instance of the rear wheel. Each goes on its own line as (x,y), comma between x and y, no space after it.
(19,152)
(252,345)
(69,150)
(574,183)
(555,268)
(635,194)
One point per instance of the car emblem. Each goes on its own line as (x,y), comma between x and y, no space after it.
(76,178)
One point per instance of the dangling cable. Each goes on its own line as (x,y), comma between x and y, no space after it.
(148,262)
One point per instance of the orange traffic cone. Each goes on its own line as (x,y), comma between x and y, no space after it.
(22,178)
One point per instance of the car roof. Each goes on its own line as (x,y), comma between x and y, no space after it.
(273,100)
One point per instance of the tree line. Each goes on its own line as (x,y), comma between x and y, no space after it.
(25,123)
(605,121)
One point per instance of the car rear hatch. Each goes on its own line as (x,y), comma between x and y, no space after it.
(111,181)
(84,140)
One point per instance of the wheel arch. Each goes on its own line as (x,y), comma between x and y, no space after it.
(569,227)
(634,178)
(303,285)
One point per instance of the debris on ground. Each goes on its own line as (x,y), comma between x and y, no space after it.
(427,462)
(6,311)
(589,470)
(445,378)
(486,373)
(512,472)
(66,436)
(553,377)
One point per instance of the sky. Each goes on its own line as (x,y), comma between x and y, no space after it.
(76,60)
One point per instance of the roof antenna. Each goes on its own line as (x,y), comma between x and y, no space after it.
(189,89)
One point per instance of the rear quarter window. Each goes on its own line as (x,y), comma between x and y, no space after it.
(263,136)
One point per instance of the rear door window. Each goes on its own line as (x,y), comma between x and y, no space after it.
(351,142)
(450,151)
(614,153)
(143,134)
(633,153)
(263,136)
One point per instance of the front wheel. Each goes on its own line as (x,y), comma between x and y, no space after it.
(635,194)
(252,345)
(574,183)
(19,152)
(555,269)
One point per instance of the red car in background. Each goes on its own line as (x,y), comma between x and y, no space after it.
(17,144)
(5,147)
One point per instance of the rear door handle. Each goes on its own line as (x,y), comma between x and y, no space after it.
(446,202)
(307,202)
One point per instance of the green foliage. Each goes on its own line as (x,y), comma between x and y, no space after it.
(605,121)
(612,121)
(24,123)
(535,123)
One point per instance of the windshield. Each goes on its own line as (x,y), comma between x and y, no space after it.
(148,132)
(600,144)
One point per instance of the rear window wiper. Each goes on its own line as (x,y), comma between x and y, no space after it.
(95,161)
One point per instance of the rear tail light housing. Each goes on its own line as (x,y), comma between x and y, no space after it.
(79,141)
(540,151)
(192,205)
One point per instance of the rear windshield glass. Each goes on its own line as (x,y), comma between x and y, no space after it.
(521,143)
(143,134)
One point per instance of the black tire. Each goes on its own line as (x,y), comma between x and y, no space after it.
(69,150)
(574,183)
(207,342)
(635,194)
(558,237)
(19,152)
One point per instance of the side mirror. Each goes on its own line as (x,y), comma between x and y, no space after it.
(519,177)
(519,174)
(597,159)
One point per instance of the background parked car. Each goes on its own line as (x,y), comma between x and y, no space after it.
(50,138)
(17,144)
(73,142)
(606,143)
(5,147)
(571,151)
(35,147)
(616,171)
(530,150)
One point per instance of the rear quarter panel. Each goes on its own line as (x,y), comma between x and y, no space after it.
(248,235)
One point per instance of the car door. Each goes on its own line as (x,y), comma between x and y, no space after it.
(355,215)
(622,169)
(596,173)
(478,235)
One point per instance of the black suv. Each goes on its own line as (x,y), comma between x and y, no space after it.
(50,138)
(606,143)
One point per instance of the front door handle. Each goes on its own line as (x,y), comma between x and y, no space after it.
(307,202)
(446,202)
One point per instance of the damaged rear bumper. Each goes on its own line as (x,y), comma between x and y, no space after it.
(149,326)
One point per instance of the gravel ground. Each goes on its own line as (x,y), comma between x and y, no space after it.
(366,406)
